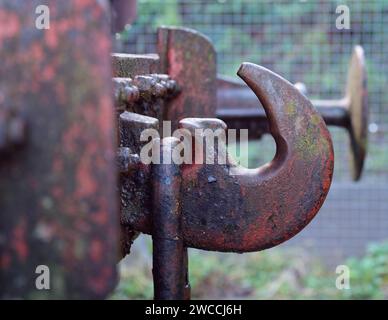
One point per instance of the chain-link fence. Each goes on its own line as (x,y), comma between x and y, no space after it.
(300,41)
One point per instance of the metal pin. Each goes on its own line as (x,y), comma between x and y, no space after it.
(169,261)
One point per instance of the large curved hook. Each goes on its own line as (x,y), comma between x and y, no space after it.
(230,208)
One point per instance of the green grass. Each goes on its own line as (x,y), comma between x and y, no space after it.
(272,274)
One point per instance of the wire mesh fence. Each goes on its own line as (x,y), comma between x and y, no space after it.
(300,41)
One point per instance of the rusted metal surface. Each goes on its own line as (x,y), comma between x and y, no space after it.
(57,194)
(229,208)
(236,106)
(131,65)
(135,181)
(205,206)
(184,68)
(143,91)
(140,87)
(169,268)
(64,176)
(132,96)
(189,58)
(125,93)
(252,210)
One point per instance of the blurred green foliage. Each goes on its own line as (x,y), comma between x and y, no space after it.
(275,274)
(295,38)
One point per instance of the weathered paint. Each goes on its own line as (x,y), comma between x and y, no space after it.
(57,194)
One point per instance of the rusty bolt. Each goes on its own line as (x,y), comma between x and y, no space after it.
(143,87)
(125,92)
(159,86)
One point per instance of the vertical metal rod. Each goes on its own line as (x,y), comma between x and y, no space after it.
(169,271)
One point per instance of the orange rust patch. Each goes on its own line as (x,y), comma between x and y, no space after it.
(10,25)
(19,241)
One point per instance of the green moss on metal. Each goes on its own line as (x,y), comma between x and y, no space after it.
(308,146)
(291,109)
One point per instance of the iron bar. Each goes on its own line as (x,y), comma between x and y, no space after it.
(169,270)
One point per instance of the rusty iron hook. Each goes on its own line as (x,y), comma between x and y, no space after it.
(255,209)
